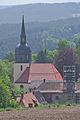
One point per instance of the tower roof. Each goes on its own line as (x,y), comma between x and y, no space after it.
(22,51)
(23,35)
(23,27)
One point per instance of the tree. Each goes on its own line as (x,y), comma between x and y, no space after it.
(41,57)
(4,85)
(10,68)
(77,49)
(63,44)
(9,56)
(9,60)
(4,94)
(67,57)
(45,56)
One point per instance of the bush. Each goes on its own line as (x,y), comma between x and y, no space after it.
(14,104)
(9,109)
(68,104)
(57,105)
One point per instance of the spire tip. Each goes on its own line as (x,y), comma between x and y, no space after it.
(23,13)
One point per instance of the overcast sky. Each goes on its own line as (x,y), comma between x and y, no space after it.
(14,2)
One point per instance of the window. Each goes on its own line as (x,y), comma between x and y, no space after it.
(21,67)
(44,80)
(57,97)
(21,86)
(30,105)
(69,97)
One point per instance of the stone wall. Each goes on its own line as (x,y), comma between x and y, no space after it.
(26,86)
(62,98)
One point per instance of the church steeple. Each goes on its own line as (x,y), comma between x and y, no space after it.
(23,35)
(22,51)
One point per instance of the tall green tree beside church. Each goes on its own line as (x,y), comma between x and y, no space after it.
(4,85)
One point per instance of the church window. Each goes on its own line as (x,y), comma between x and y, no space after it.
(21,86)
(69,97)
(57,97)
(44,80)
(21,67)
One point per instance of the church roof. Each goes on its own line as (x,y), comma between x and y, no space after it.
(51,86)
(40,71)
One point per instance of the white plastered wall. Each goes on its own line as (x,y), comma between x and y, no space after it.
(17,69)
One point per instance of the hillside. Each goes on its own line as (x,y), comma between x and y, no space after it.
(37,12)
(40,35)
(4,7)
(61,113)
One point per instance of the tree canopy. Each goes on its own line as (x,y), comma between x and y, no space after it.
(67,57)
(77,49)
(4,85)
(63,44)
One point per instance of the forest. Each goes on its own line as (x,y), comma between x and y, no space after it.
(44,35)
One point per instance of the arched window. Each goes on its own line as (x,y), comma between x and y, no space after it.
(21,86)
(44,80)
(21,67)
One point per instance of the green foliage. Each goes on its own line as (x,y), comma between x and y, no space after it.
(4,85)
(10,68)
(9,56)
(78,78)
(77,49)
(45,56)
(63,44)
(40,35)
(41,57)
(68,104)
(14,104)
(34,57)
(4,95)
(17,92)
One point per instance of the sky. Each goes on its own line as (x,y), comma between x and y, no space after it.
(16,2)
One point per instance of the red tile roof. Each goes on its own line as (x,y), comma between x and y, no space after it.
(28,99)
(39,71)
(24,77)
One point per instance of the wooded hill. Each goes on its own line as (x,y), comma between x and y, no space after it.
(39,12)
(40,35)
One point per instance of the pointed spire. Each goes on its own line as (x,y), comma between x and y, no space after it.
(23,35)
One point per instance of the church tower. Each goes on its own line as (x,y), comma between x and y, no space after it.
(22,54)
(22,51)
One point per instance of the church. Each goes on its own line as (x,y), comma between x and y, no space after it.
(42,81)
